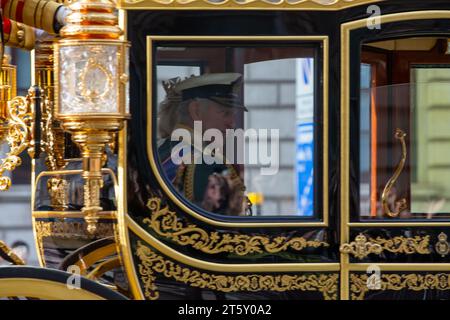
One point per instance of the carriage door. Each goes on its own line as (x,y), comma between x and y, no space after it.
(396,158)
(255,226)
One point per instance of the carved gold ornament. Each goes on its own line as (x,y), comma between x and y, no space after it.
(442,246)
(397,282)
(68,230)
(404,245)
(152,263)
(19,134)
(95,72)
(21,131)
(361,248)
(53,144)
(57,188)
(166,224)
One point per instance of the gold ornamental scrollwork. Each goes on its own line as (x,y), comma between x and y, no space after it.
(167,224)
(400,244)
(151,264)
(18,137)
(397,282)
(361,247)
(68,230)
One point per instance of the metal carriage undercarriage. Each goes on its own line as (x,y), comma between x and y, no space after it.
(357,209)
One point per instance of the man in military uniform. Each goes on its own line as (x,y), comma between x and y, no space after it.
(212,100)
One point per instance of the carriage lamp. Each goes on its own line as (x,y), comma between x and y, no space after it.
(92,84)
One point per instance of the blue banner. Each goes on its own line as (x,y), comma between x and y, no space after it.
(305,169)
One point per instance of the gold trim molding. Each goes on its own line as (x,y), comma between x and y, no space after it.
(135,230)
(397,282)
(43,289)
(67,230)
(151,263)
(166,224)
(323,5)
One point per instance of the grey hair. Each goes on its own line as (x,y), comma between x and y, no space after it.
(172,113)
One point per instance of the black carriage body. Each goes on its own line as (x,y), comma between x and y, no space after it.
(173,249)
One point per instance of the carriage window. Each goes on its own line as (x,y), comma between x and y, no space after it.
(404,163)
(236,127)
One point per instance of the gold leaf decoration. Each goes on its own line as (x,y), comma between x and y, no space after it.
(360,248)
(68,230)
(151,263)
(404,245)
(397,282)
(43,230)
(166,223)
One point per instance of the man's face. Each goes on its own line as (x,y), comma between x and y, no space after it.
(216,116)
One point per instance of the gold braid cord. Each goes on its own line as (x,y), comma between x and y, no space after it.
(397,282)
(404,245)
(166,223)
(152,263)
(18,137)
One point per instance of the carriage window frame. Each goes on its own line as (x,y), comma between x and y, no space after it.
(354,37)
(321,208)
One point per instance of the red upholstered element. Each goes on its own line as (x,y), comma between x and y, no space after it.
(6,25)
(19,11)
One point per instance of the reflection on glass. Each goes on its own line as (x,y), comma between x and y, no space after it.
(430,176)
(70,188)
(412,173)
(235,127)
(365,152)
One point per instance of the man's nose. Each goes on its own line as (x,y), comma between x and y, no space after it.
(229,120)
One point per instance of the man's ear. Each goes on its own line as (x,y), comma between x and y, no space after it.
(194,110)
